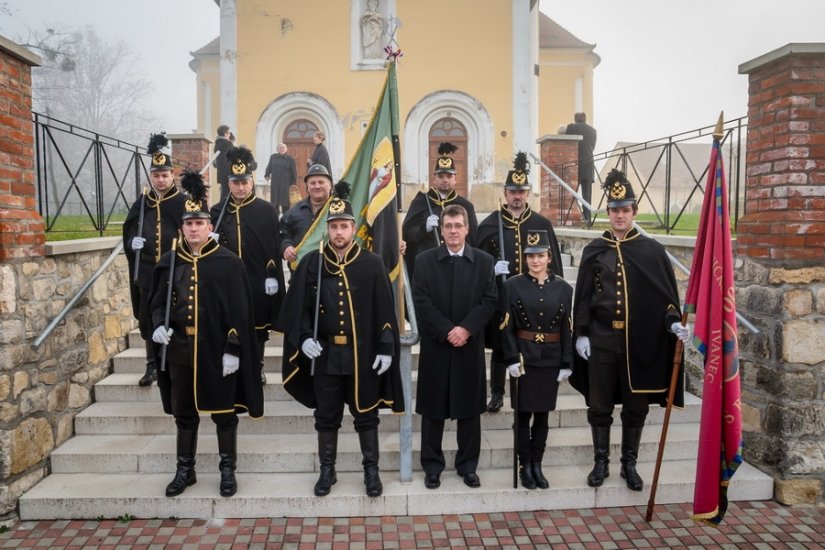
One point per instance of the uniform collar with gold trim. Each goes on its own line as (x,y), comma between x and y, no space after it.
(185,251)
(332,260)
(152,195)
(235,206)
(435,196)
(632,234)
(508,217)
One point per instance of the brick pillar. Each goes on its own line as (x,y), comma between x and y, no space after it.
(560,153)
(191,150)
(22,231)
(781,284)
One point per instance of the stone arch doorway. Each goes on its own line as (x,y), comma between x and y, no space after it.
(298,139)
(452,130)
(478,147)
(294,116)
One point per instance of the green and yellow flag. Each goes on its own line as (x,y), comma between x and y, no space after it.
(373,177)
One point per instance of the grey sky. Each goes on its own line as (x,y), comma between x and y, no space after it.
(667,66)
(671,66)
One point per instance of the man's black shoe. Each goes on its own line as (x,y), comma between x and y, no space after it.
(496,402)
(148,377)
(471,480)
(432,481)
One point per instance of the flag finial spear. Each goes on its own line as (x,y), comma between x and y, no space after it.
(718,132)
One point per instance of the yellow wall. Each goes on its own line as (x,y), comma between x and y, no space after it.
(287,46)
(558,73)
(315,57)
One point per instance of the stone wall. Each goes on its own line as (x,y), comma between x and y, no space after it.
(781,239)
(42,390)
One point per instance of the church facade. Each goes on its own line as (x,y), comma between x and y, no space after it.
(491,76)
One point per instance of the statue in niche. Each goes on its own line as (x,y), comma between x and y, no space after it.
(373,28)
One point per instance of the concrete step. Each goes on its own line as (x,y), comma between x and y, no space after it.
(290,417)
(140,495)
(268,453)
(134,359)
(124,387)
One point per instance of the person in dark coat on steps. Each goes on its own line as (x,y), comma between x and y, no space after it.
(162,206)
(211,355)
(537,329)
(454,295)
(626,322)
(354,359)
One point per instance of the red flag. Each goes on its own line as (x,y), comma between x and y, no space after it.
(710,295)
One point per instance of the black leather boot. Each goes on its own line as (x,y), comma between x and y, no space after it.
(538,441)
(187,446)
(151,373)
(369,449)
(601,455)
(327,451)
(228,451)
(525,470)
(261,351)
(631,437)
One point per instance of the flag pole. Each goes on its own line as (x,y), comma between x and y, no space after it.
(718,134)
(674,378)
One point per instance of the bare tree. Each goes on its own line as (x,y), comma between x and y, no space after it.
(91,83)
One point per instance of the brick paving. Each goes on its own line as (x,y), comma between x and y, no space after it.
(748,525)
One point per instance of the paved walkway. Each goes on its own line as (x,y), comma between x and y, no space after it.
(748,525)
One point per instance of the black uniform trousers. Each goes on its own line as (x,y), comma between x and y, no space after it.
(607,370)
(331,393)
(469,445)
(186,416)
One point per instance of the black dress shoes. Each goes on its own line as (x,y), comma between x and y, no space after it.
(432,481)
(471,480)
(496,402)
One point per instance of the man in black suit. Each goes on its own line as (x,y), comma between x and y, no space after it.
(586,146)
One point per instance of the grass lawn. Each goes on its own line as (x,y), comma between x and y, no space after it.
(81,227)
(687,226)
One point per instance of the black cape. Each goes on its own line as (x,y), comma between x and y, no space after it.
(652,303)
(372,299)
(168,211)
(414,228)
(224,325)
(255,222)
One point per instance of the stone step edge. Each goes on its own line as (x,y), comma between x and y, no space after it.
(85,496)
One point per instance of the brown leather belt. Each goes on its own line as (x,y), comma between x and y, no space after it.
(539,337)
(340,340)
(618,325)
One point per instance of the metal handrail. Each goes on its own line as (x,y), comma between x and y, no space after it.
(671,152)
(107,171)
(71,303)
(675,261)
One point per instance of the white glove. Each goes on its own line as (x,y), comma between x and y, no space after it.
(137,243)
(270,286)
(162,336)
(564,374)
(502,267)
(230,364)
(681,332)
(514,370)
(311,348)
(214,236)
(381,364)
(432,223)
(583,347)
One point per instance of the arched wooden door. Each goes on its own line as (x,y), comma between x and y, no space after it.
(298,140)
(450,129)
